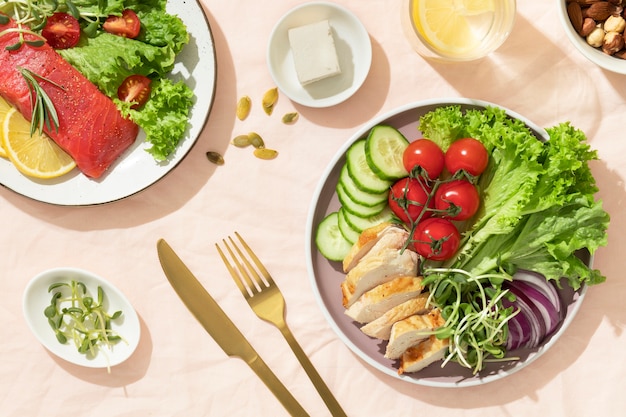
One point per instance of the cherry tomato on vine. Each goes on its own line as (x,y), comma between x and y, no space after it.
(407,199)
(459,198)
(135,89)
(62,31)
(467,154)
(436,239)
(126,25)
(427,155)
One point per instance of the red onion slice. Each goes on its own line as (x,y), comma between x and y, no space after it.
(541,284)
(547,310)
(533,315)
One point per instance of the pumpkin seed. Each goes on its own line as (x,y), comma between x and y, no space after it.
(256,140)
(243,107)
(290,117)
(241,141)
(215,157)
(269,100)
(265,153)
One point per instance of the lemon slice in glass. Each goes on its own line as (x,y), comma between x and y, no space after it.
(36,156)
(454,28)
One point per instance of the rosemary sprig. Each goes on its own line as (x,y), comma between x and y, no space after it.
(44,112)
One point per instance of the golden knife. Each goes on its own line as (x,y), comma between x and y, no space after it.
(219,326)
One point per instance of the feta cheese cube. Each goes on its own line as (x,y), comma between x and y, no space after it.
(314,53)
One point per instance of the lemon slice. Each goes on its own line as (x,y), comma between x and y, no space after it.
(453,27)
(36,156)
(4,109)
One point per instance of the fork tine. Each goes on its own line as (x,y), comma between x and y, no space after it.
(256,260)
(233,273)
(254,285)
(258,281)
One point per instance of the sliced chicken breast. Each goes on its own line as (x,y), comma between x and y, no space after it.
(411,331)
(381,327)
(377,301)
(420,356)
(376,268)
(384,235)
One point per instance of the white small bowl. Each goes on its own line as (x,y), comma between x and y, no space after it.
(594,55)
(37,298)
(354,51)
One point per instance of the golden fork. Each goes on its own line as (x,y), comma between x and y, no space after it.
(268,303)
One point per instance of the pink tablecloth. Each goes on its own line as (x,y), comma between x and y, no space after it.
(178,370)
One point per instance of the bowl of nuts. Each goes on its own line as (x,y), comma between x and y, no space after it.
(597,29)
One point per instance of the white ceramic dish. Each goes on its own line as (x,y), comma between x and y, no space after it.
(327,276)
(354,51)
(136,169)
(37,298)
(592,54)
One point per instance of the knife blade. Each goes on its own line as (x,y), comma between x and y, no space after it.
(219,326)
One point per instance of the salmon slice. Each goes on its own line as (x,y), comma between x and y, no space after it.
(91,129)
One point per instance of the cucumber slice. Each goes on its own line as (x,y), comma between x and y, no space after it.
(360,171)
(384,148)
(360,223)
(346,230)
(329,240)
(356,194)
(356,208)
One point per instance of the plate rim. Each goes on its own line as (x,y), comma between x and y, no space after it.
(67,352)
(141,187)
(310,249)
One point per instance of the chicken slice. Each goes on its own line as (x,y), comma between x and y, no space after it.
(377,268)
(384,235)
(423,354)
(377,301)
(411,331)
(381,327)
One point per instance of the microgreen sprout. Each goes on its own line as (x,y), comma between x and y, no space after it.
(476,321)
(74,315)
(35,13)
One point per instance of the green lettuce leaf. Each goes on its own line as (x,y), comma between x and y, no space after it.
(164,116)
(539,209)
(106,60)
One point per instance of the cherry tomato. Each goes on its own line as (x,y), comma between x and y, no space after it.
(62,31)
(436,239)
(135,89)
(408,198)
(126,25)
(425,154)
(459,198)
(467,154)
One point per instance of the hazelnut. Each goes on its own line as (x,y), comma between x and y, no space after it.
(615,23)
(620,54)
(613,42)
(596,37)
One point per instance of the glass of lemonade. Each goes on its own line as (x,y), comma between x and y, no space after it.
(457,30)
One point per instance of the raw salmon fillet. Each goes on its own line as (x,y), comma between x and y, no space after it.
(91,129)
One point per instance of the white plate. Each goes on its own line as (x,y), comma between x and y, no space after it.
(136,169)
(354,51)
(327,276)
(37,298)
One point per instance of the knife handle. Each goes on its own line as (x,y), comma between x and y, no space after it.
(278,389)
